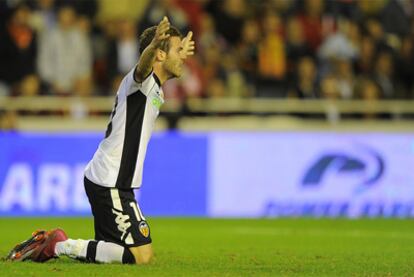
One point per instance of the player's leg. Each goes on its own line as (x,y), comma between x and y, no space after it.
(94,251)
(45,245)
(119,220)
(121,232)
(139,241)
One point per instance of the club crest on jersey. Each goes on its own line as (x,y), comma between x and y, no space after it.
(144,228)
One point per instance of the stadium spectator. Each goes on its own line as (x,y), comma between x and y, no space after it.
(65,59)
(311,20)
(341,44)
(367,90)
(211,46)
(395,17)
(86,9)
(383,74)
(216,88)
(247,52)
(229,16)
(44,16)
(110,10)
(296,49)
(365,61)
(159,8)
(344,8)
(296,46)
(208,36)
(305,84)
(236,85)
(123,52)
(345,78)
(405,68)
(329,87)
(242,51)
(375,30)
(271,58)
(18,53)
(193,10)
(213,72)
(329,90)
(370,8)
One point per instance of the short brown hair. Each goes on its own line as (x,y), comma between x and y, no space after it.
(147,36)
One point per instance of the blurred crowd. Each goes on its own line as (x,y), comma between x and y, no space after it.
(343,49)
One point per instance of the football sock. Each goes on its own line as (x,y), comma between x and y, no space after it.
(94,251)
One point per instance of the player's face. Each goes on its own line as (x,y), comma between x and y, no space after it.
(173,64)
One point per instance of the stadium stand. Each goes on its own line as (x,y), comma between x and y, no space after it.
(310,59)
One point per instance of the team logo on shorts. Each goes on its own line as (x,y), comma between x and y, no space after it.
(144,229)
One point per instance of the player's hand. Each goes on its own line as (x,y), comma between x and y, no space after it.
(188,46)
(160,34)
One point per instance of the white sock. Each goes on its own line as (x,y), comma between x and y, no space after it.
(107,252)
(94,251)
(73,248)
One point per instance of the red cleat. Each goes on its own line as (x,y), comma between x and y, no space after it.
(25,249)
(46,250)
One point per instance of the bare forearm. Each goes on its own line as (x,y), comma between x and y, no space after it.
(145,63)
(147,59)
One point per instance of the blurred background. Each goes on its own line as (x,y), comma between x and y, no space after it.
(288,108)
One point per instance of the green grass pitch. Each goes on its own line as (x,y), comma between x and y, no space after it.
(238,247)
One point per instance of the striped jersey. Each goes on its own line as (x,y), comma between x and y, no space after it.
(119,160)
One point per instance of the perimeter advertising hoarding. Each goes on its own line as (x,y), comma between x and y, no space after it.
(42,174)
(221,174)
(311,174)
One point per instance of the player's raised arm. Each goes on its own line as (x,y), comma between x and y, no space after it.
(147,58)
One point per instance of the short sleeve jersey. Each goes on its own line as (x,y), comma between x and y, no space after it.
(119,159)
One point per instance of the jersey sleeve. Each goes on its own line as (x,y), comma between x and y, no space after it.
(144,86)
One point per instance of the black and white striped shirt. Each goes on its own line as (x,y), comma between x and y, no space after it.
(119,160)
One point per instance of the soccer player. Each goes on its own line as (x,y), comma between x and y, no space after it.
(121,232)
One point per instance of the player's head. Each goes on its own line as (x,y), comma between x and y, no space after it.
(168,55)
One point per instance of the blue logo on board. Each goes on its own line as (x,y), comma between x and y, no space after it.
(366,165)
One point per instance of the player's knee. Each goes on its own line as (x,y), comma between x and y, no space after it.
(144,259)
(142,254)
